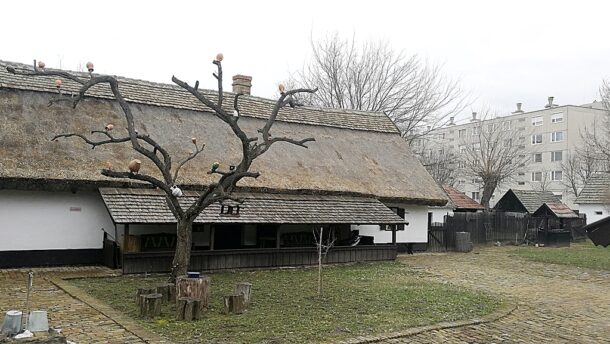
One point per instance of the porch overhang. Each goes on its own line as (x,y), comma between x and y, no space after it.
(139,206)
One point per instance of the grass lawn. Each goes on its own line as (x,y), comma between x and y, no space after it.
(583,254)
(358,299)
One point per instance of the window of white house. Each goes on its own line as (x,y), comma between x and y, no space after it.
(461,132)
(557,136)
(536,176)
(598,212)
(556,175)
(537,157)
(506,125)
(536,139)
(557,118)
(536,121)
(475,196)
(557,156)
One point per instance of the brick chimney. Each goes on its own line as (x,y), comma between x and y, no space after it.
(242,84)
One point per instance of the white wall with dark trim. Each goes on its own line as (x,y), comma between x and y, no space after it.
(594,212)
(415,232)
(40,220)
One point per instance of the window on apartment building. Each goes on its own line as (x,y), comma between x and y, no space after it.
(506,125)
(557,156)
(476,131)
(537,121)
(491,127)
(536,139)
(462,148)
(521,128)
(536,176)
(557,136)
(557,118)
(476,146)
(556,175)
(521,174)
(475,196)
(508,142)
(461,164)
(521,183)
(461,181)
(537,157)
(522,119)
(462,133)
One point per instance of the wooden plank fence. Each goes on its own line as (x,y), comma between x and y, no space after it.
(490,227)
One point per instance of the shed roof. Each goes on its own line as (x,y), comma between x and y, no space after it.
(354,153)
(599,231)
(596,190)
(460,201)
(560,210)
(149,206)
(529,200)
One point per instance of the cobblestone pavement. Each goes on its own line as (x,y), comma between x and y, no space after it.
(556,304)
(79,322)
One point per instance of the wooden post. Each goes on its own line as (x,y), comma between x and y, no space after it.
(234,304)
(212,232)
(125,235)
(245,289)
(143,291)
(277,237)
(393,234)
(189,309)
(194,288)
(150,305)
(168,291)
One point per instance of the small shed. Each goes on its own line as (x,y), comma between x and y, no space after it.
(599,232)
(460,201)
(555,223)
(525,201)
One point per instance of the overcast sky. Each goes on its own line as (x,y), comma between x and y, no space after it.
(502,51)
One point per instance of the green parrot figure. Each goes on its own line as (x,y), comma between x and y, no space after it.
(215,166)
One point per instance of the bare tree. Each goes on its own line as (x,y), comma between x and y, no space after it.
(544,183)
(597,139)
(492,153)
(578,167)
(145,145)
(323,244)
(439,161)
(373,77)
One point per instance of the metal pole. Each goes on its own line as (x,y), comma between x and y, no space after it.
(27,299)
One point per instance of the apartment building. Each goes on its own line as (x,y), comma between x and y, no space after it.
(546,136)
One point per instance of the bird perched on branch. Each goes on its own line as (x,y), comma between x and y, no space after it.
(134,165)
(215,166)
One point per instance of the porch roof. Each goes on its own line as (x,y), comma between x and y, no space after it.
(148,206)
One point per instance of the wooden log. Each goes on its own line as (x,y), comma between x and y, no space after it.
(244,288)
(143,291)
(150,305)
(194,288)
(234,304)
(189,309)
(168,291)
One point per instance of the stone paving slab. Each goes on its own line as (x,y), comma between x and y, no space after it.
(556,303)
(79,322)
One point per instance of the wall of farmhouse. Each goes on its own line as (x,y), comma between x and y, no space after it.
(40,220)
(594,212)
(415,232)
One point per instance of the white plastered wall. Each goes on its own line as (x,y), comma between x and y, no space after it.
(592,211)
(415,232)
(39,220)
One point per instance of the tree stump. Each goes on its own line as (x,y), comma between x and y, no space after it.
(168,291)
(143,291)
(244,288)
(194,288)
(189,309)
(234,304)
(150,305)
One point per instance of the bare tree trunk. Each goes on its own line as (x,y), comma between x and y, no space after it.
(489,186)
(182,257)
(320,262)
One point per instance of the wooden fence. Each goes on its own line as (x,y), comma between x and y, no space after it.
(489,227)
(255,258)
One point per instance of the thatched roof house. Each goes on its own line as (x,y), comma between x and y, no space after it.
(356,154)
(594,199)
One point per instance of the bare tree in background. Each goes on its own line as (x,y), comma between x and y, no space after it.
(373,77)
(597,139)
(440,163)
(578,167)
(492,153)
(145,145)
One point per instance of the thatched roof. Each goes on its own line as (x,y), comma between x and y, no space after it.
(149,206)
(596,190)
(355,152)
